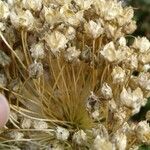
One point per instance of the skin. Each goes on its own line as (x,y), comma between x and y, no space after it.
(4,111)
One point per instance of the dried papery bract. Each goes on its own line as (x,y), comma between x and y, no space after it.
(118,75)
(62,134)
(56,41)
(37,51)
(72,54)
(23,19)
(35,5)
(133,100)
(102,143)
(141,44)
(80,137)
(106,91)
(4,10)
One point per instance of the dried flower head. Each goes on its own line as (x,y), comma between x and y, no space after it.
(102,144)
(120,140)
(106,91)
(35,70)
(133,99)
(4,59)
(56,41)
(53,53)
(4,10)
(118,75)
(80,137)
(72,54)
(143,131)
(37,51)
(23,19)
(40,125)
(109,52)
(26,123)
(142,44)
(35,5)
(62,134)
(94,29)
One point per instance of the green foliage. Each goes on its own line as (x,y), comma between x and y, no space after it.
(142,113)
(142,16)
(144,147)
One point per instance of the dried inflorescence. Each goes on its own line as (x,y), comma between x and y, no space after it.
(73,78)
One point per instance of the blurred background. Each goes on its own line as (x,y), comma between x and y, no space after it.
(142,16)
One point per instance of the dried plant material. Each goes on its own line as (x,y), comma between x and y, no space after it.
(94,29)
(35,5)
(120,140)
(106,91)
(15,85)
(26,123)
(51,15)
(62,134)
(23,19)
(4,10)
(102,144)
(144,58)
(40,125)
(56,41)
(112,10)
(120,115)
(92,103)
(70,17)
(118,75)
(16,135)
(14,115)
(143,132)
(142,44)
(72,54)
(80,137)
(109,52)
(2,26)
(133,100)
(122,41)
(131,27)
(144,80)
(37,51)
(56,146)
(84,4)
(4,59)
(95,115)
(54,53)
(101,131)
(70,33)
(36,70)
(134,147)
(112,105)
(126,16)
(3,80)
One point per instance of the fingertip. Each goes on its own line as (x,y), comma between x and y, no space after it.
(4,110)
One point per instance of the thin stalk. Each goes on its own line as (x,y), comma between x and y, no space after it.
(24,47)
(93,66)
(13,52)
